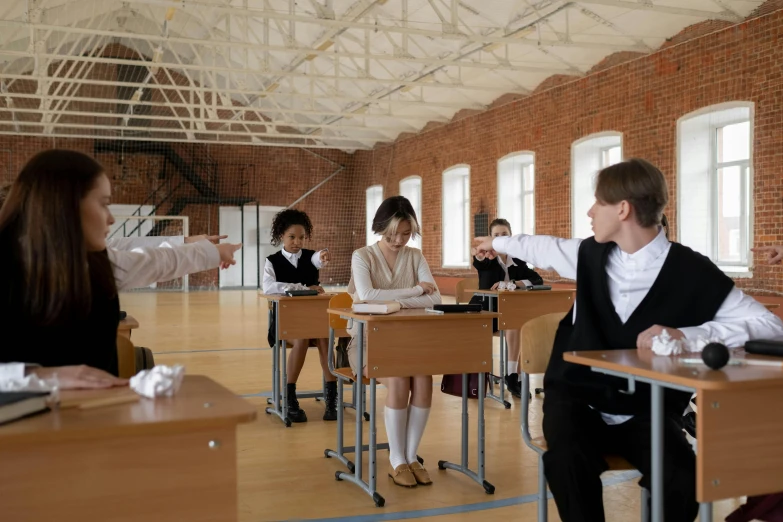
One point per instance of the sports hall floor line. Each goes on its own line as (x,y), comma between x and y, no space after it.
(619,478)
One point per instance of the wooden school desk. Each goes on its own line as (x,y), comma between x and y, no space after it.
(516,307)
(739,449)
(414,342)
(301,317)
(162,460)
(126,325)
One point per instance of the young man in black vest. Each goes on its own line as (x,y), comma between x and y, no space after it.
(632,283)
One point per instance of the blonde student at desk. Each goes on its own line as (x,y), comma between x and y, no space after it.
(296,268)
(631,284)
(391,271)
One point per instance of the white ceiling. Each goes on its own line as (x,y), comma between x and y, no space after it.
(313,73)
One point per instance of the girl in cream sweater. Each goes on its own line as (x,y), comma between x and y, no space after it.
(391,271)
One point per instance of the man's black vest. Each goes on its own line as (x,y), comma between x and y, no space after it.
(689,291)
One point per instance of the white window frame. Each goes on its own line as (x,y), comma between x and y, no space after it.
(734,269)
(598,161)
(414,242)
(445,207)
(370,237)
(528,160)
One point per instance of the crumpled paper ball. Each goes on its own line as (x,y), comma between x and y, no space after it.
(665,344)
(160,381)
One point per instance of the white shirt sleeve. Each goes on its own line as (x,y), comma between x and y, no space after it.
(363,283)
(316,260)
(131,243)
(547,252)
(739,319)
(423,300)
(143,267)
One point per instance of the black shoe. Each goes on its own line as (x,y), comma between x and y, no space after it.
(512,383)
(330,399)
(295,414)
(689,423)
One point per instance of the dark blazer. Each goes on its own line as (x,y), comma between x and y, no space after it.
(490,272)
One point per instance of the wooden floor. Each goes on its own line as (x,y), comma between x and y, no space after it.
(283,474)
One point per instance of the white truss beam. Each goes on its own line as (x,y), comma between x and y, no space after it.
(179,140)
(657,8)
(227,44)
(401,117)
(98,128)
(192,8)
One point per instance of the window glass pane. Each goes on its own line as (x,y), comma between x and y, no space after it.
(530,212)
(411,189)
(729,214)
(611,156)
(373,200)
(733,142)
(456,209)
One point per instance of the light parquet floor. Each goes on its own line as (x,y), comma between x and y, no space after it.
(283,474)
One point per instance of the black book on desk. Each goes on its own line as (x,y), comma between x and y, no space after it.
(765,347)
(299,293)
(457,308)
(15,405)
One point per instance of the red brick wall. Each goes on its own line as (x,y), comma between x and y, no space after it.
(642,98)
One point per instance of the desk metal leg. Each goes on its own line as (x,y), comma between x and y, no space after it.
(705,512)
(657,452)
(463,468)
(501,381)
(356,477)
(278,400)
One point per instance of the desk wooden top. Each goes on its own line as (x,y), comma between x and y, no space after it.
(411,314)
(771,306)
(129,323)
(282,297)
(524,292)
(185,412)
(669,370)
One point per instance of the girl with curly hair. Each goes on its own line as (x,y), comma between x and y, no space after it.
(296,268)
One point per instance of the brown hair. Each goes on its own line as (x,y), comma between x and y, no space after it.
(638,182)
(391,213)
(665,225)
(499,222)
(4,193)
(42,218)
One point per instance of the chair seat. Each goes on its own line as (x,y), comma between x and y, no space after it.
(615,462)
(346,374)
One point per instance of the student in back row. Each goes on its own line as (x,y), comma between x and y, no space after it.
(390,270)
(491,273)
(296,268)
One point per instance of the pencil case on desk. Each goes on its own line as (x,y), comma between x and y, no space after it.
(764,347)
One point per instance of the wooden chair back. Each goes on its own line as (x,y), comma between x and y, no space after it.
(536,340)
(465,288)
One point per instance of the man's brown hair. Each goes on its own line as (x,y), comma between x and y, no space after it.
(4,193)
(638,182)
